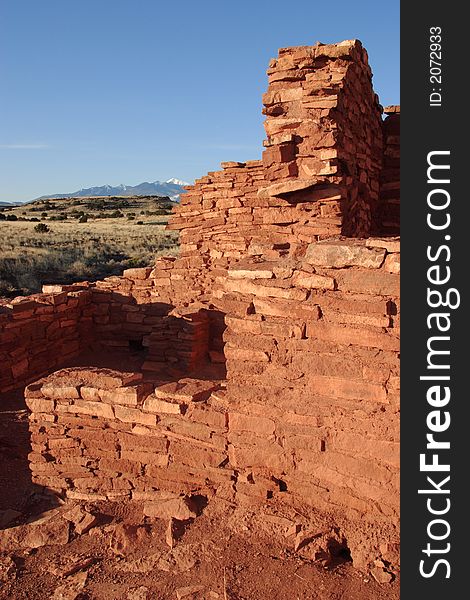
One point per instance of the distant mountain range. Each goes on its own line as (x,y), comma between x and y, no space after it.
(171,188)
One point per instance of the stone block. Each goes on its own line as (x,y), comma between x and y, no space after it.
(86,407)
(153,404)
(339,255)
(312,281)
(127,414)
(141,273)
(40,405)
(256,424)
(59,390)
(369,282)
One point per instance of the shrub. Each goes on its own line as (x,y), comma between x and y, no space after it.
(120,203)
(41,228)
(12,218)
(96,204)
(83,219)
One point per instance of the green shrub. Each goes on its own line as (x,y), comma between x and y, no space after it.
(41,228)
(96,204)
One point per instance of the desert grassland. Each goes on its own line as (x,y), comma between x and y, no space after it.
(71,251)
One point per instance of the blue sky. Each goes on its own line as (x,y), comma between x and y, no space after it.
(124,91)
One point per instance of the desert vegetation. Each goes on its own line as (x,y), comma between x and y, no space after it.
(68,240)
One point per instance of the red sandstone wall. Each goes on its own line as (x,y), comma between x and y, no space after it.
(39,333)
(309,409)
(217,215)
(133,308)
(312,354)
(107,434)
(319,175)
(324,127)
(257,223)
(130,313)
(307,322)
(322,149)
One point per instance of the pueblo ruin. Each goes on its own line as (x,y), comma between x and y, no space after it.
(260,368)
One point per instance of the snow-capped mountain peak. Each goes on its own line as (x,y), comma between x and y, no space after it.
(175,181)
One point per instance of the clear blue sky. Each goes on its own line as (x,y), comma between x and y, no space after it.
(125,91)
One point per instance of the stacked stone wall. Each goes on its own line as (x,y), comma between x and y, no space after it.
(312,353)
(308,412)
(279,279)
(41,332)
(324,133)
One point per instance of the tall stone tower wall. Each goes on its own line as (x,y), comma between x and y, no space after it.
(324,132)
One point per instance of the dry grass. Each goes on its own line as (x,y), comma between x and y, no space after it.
(73,251)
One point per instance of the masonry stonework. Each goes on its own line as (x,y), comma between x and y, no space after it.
(263,362)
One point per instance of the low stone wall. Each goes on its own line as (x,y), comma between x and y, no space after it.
(167,308)
(217,215)
(39,333)
(129,314)
(309,410)
(100,434)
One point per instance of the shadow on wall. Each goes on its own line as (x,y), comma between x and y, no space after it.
(45,332)
(122,335)
(20,499)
